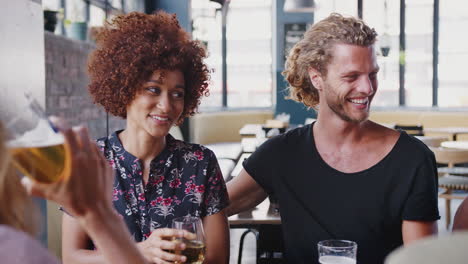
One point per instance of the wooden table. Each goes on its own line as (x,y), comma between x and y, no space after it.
(250,130)
(264,214)
(452,131)
(455,144)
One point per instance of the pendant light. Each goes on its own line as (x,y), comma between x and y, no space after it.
(299,6)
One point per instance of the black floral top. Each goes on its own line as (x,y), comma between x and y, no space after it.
(184,179)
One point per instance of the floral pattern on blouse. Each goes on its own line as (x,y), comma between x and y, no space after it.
(184,179)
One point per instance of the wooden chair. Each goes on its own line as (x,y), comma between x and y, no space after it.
(432,141)
(414,130)
(451,157)
(451,182)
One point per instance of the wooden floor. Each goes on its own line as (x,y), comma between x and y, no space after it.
(249,244)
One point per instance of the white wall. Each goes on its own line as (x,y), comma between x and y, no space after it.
(22,65)
(21,51)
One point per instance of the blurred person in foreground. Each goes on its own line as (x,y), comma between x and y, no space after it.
(83,190)
(344,176)
(148,71)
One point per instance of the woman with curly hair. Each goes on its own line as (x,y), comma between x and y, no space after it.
(147,70)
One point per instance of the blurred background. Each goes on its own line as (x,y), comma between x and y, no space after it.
(422,51)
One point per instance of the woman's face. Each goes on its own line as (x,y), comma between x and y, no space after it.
(158,103)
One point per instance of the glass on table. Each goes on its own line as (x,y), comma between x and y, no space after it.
(195,249)
(37,148)
(337,251)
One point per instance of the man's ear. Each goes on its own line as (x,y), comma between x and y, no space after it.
(315,78)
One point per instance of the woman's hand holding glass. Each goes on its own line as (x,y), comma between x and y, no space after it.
(194,247)
(161,247)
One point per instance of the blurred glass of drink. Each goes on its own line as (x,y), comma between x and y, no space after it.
(337,252)
(37,148)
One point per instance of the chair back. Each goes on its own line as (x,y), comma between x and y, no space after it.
(450,156)
(414,130)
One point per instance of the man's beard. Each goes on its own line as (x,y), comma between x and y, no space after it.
(331,99)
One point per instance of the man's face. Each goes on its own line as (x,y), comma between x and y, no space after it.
(351,82)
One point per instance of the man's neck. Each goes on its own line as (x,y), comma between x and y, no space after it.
(335,131)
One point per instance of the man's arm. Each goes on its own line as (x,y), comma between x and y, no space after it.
(216,229)
(244,193)
(75,241)
(460,221)
(414,230)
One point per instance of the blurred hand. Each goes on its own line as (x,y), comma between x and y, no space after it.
(155,248)
(86,186)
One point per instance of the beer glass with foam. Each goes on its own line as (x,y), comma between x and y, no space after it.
(337,252)
(36,146)
(195,249)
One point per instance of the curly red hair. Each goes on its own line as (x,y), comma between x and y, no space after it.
(131,47)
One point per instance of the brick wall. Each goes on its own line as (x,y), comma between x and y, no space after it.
(67,96)
(66,85)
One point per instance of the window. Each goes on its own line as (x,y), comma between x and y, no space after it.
(344,7)
(384,16)
(249,59)
(97,16)
(75,10)
(385,19)
(453,54)
(91,11)
(418,73)
(206,21)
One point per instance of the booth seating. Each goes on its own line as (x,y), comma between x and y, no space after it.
(227,153)
(219,131)
(426,119)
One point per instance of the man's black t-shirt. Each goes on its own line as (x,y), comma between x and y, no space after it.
(318,202)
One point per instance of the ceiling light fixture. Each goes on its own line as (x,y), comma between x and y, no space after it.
(299,6)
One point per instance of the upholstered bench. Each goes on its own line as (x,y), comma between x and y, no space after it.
(219,131)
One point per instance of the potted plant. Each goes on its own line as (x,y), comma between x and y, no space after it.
(50,20)
(75,25)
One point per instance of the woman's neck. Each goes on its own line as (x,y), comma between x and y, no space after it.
(142,145)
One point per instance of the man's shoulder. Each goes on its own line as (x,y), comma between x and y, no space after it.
(404,143)
(412,151)
(18,247)
(8,233)
(411,143)
(290,138)
(294,135)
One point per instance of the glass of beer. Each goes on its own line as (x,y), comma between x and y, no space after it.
(36,146)
(195,249)
(337,252)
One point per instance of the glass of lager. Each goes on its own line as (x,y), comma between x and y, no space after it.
(337,252)
(195,249)
(36,146)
